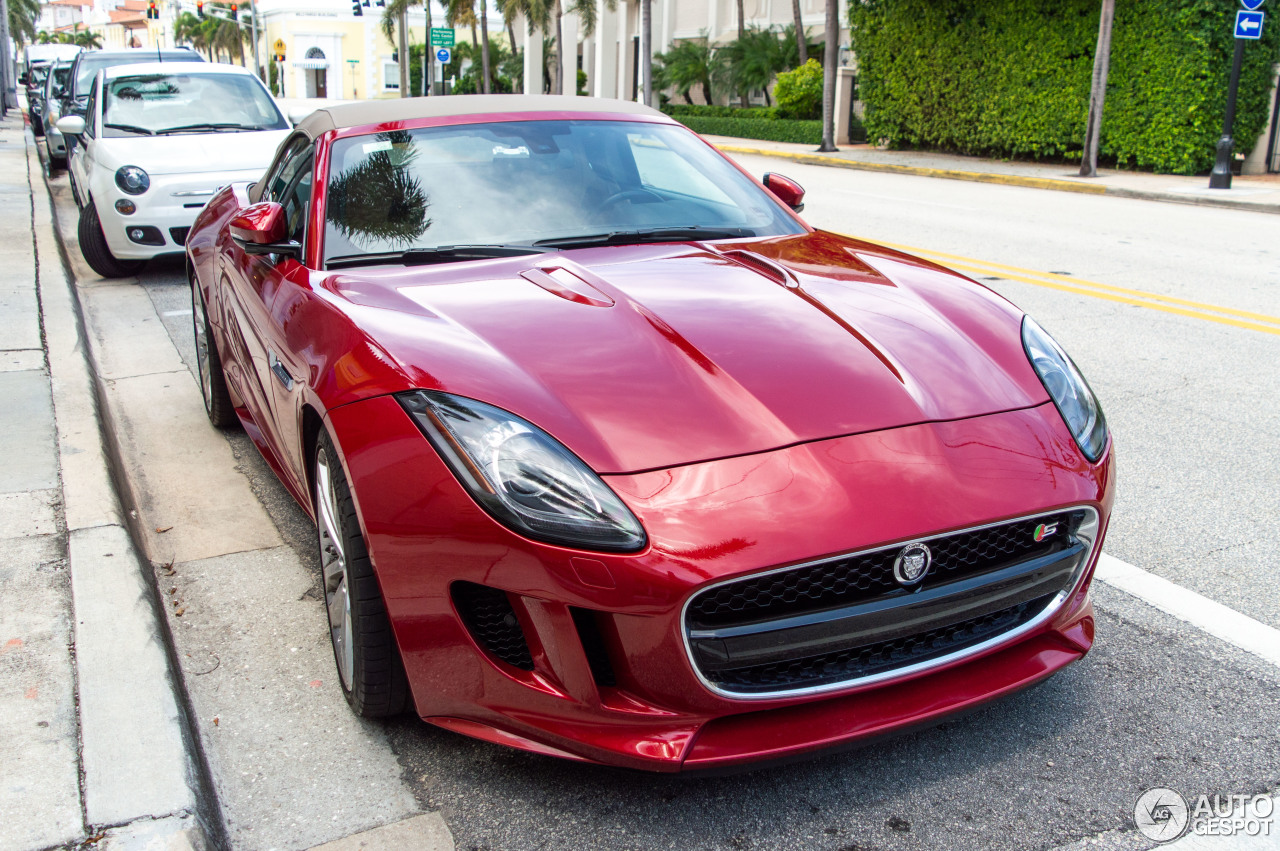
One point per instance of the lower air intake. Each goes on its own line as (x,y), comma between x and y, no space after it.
(492,622)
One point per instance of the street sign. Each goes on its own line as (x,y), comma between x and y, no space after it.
(1249,24)
(1251,5)
(441,37)
(443,55)
(279,45)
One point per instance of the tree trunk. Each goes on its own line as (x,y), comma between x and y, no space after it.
(403,36)
(742,31)
(687,97)
(557,77)
(1098,95)
(801,41)
(428,55)
(511,34)
(646,51)
(829,59)
(484,43)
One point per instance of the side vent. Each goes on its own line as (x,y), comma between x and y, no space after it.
(593,643)
(492,622)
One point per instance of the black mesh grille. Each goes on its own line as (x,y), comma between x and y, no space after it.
(877,658)
(493,624)
(179,235)
(863,577)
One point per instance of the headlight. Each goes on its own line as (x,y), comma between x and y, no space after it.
(522,476)
(132,179)
(1068,389)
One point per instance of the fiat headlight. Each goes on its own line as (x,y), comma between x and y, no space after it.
(523,476)
(132,179)
(1068,389)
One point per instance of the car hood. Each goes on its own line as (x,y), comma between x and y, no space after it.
(646,357)
(186,153)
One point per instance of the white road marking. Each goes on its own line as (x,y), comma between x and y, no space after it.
(1214,618)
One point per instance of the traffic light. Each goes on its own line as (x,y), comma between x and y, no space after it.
(200,8)
(153,14)
(235,12)
(355,8)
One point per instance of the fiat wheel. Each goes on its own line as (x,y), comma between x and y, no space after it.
(369,667)
(93,245)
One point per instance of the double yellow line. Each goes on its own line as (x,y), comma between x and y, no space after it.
(1153,301)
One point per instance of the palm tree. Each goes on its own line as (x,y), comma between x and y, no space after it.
(751,62)
(190,29)
(742,31)
(687,64)
(23,15)
(87,39)
(801,47)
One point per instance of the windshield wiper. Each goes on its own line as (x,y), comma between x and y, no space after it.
(188,127)
(632,237)
(428,256)
(131,128)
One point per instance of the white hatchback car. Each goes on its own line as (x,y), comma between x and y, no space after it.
(156,142)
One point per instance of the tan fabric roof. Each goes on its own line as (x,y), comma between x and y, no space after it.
(404,109)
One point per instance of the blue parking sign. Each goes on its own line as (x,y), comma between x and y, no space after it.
(443,55)
(1249,24)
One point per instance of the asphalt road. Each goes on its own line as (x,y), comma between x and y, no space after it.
(1193,403)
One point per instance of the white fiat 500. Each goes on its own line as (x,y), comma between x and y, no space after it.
(156,142)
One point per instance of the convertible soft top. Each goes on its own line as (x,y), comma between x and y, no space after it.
(405,109)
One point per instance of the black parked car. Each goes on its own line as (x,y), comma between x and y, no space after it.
(34,82)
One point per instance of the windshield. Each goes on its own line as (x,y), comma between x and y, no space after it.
(157,104)
(58,79)
(521,182)
(38,74)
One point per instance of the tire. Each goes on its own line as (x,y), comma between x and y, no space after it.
(54,162)
(93,245)
(213,382)
(370,670)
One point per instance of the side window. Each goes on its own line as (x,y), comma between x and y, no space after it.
(282,172)
(296,198)
(91,113)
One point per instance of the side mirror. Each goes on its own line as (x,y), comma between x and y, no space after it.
(263,228)
(786,190)
(24,79)
(71,125)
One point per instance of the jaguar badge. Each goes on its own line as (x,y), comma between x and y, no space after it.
(912,564)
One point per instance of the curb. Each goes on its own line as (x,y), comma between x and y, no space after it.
(141,772)
(1003,179)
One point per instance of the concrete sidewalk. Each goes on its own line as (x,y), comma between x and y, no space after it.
(94,741)
(1259,193)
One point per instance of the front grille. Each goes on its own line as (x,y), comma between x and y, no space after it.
(846,619)
(179,235)
(877,658)
(492,622)
(867,576)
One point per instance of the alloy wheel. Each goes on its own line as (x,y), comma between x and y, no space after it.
(333,568)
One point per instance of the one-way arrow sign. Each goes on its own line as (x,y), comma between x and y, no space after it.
(1249,24)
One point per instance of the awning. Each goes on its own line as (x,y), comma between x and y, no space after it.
(311,64)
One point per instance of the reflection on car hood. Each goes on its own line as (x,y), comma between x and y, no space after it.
(184,153)
(652,356)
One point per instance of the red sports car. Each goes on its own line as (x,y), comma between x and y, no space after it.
(613,457)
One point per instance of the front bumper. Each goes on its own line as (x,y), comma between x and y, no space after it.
(165,212)
(609,677)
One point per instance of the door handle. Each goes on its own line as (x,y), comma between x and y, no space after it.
(278,370)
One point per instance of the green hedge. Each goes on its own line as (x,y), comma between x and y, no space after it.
(1012,77)
(778,130)
(758,113)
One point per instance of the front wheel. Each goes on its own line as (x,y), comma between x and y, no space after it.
(213,383)
(93,245)
(369,666)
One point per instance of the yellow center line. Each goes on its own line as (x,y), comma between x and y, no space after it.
(1053,281)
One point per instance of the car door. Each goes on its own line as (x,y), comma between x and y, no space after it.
(80,160)
(252,283)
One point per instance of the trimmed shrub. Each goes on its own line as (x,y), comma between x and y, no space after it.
(799,92)
(778,130)
(1012,78)
(678,110)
